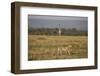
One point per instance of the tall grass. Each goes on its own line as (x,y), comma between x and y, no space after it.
(41,47)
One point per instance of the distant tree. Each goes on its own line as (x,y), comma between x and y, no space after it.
(74,29)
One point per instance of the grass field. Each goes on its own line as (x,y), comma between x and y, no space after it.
(41,47)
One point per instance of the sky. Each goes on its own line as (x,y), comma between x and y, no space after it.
(47,21)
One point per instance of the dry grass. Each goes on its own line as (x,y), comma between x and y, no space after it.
(52,47)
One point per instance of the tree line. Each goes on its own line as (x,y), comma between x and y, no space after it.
(54,31)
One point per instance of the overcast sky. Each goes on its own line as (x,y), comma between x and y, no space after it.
(38,21)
